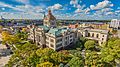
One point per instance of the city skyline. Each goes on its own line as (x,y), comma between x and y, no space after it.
(68,9)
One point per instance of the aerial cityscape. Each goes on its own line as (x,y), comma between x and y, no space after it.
(59,33)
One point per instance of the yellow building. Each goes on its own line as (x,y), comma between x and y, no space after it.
(103,26)
(100,26)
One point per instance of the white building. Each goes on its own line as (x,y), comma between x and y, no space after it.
(60,38)
(115,23)
(49,35)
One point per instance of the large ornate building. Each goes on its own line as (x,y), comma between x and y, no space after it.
(49,35)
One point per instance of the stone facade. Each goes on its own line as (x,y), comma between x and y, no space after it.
(48,35)
(64,39)
(115,23)
(94,34)
(50,20)
(54,38)
(103,26)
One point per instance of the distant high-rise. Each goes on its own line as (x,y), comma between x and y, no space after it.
(115,24)
(2,18)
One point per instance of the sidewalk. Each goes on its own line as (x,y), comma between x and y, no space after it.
(4,59)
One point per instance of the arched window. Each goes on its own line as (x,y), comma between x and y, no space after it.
(92,34)
(88,34)
(97,35)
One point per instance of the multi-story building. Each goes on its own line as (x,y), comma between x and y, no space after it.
(103,26)
(94,34)
(49,35)
(115,24)
(60,38)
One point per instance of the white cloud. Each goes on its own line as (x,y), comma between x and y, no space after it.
(31,9)
(106,9)
(55,7)
(9,6)
(109,13)
(73,2)
(80,6)
(117,11)
(82,10)
(78,10)
(101,5)
(87,10)
(25,10)
(3,8)
(24,1)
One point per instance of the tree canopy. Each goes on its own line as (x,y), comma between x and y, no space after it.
(27,54)
(90,44)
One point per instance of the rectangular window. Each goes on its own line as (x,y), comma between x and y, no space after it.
(59,40)
(70,36)
(103,35)
(102,38)
(47,42)
(70,40)
(66,38)
(51,45)
(97,35)
(58,45)
(38,38)
(65,42)
(51,40)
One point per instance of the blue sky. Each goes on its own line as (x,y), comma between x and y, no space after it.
(62,9)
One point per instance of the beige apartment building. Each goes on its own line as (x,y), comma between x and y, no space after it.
(99,35)
(60,38)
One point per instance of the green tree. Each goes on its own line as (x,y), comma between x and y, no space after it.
(89,45)
(1,28)
(111,52)
(45,64)
(44,52)
(76,62)
(92,59)
(24,56)
(57,58)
